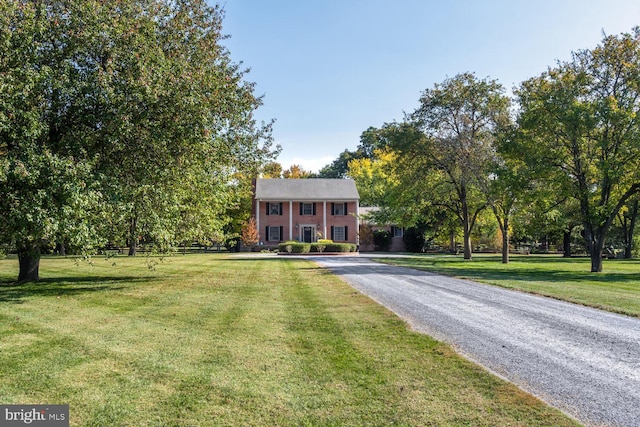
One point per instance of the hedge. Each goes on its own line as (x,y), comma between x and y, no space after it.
(340,247)
(294,247)
(303,248)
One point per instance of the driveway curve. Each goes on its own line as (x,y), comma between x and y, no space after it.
(585,362)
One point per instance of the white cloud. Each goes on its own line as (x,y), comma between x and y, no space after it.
(308,164)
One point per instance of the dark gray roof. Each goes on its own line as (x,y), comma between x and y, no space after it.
(311,189)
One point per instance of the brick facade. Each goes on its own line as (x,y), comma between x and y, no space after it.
(320,222)
(291,210)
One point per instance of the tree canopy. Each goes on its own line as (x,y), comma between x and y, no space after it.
(581,126)
(572,154)
(120,120)
(374,176)
(458,121)
(371,140)
(296,172)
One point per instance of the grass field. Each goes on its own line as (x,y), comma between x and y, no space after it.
(208,340)
(617,289)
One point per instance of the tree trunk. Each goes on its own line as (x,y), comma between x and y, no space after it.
(61,248)
(544,245)
(505,241)
(452,242)
(596,262)
(466,227)
(467,241)
(596,254)
(133,238)
(628,247)
(29,259)
(566,244)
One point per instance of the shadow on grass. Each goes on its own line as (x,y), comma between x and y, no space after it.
(63,286)
(543,276)
(468,271)
(258,258)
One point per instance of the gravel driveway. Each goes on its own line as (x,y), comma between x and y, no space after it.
(583,361)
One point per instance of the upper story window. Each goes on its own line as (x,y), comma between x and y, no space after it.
(397,231)
(307,208)
(274,208)
(338,208)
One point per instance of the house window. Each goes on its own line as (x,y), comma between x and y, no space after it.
(307,208)
(339,234)
(338,208)
(398,232)
(273,234)
(274,208)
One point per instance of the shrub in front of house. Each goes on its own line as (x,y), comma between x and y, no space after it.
(294,248)
(324,245)
(340,247)
(316,247)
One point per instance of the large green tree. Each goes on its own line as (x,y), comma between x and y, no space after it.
(47,120)
(581,120)
(458,121)
(119,120)
(504,189)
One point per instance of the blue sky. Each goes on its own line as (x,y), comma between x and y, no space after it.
(330,69)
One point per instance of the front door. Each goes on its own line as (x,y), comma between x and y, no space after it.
(307,234)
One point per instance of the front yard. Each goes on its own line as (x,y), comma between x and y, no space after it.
(207,340)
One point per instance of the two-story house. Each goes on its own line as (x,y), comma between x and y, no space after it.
(306,210)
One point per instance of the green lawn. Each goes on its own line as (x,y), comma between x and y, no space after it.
(617,289)
(219,340)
